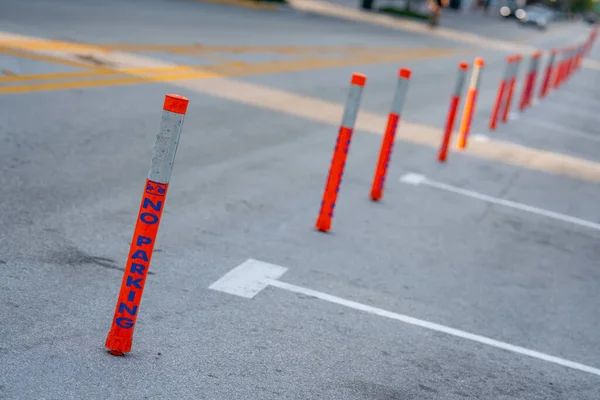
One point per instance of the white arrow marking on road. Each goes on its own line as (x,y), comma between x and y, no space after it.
(249,278)
(416,179)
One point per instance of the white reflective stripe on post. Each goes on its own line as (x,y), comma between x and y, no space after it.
(536,64)
(398,102)
(551,60)
(517,66)
(532,64)
(165,147)
(352,104)
(460,82)
(475,78)
(508,72)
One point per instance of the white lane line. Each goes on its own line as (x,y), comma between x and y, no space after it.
(417,179)
(253,272)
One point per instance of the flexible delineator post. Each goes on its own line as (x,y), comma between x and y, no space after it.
(454,102)
(511,87)
(529,81)
(502,89)
(536,68)
(387,143)
(120,336)
(470,103)
(548,75)
(591,40)
(558,77)
(342,147)
(580,54)
(564,69)
(570,61)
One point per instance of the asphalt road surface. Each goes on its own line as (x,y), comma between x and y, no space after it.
(473,279)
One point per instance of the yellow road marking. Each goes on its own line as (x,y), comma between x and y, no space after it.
(49,45)
(329,112)
(210,71)
(40,57)
(91,74)
(201,48)
(107,82)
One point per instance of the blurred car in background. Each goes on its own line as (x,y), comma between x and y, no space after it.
(590,17)
(538,16)
(509,8)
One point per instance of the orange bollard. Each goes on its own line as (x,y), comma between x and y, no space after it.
(454,102)
(511,87)
(470,103)
(580,54)
(342,147)
(536,68)
(529,81)
(501,92)
(570,61)
(120,336)
(558,78)
(548,75)
(387,142)
(565,70)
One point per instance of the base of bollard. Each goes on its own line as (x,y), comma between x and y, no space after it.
(116,353)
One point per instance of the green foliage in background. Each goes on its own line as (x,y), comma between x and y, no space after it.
(581,5)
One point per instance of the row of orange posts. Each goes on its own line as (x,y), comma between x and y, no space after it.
(562,63)
(120,336)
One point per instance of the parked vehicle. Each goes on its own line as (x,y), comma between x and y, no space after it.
(536,16)
(509,8)
(591,18)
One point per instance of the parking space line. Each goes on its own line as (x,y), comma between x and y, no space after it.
(417,179)
(252,276)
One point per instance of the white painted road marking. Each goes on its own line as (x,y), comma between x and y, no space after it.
(481,138)
(252,271)
(249,278)
(416,179)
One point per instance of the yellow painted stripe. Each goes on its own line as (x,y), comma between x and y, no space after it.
(196,48)
(50,45)
(40,57)
(267,66)
(228,70)
(106,82)
(92,74)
